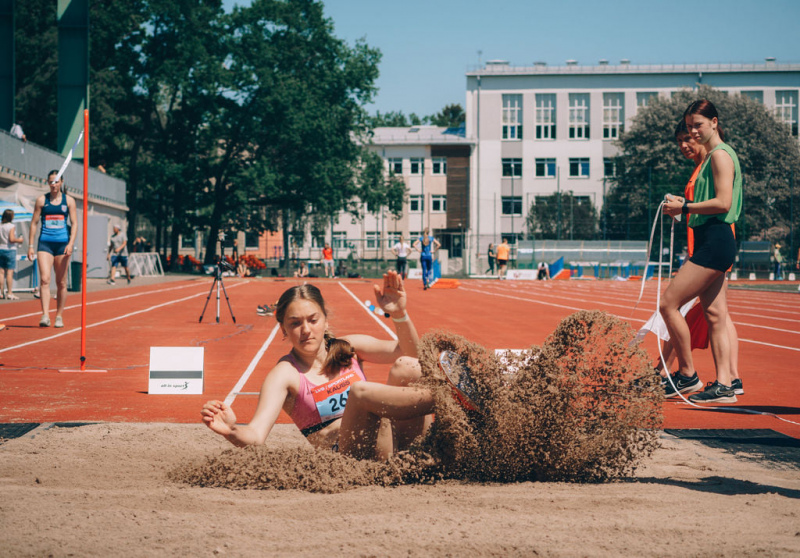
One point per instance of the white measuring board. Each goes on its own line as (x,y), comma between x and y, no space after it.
(176,370)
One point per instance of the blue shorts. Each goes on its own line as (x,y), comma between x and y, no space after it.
(119,260)
(54,248)
(8,259)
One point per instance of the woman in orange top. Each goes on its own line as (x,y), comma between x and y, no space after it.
(503,251)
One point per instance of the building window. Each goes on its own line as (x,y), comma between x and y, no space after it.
(579,167)
(609,167)
(512,117)
(545,168)
(438,165)
(438,204)
(613,115)
(512,167)
(395,166)
(545,116)
(339,239)
(297,239)
(415,204)
(187,240)
(786,109)
(251,240)
(645,98)
(755,95)
(512,205)
(417,165)
(372,239)
(392,238)
(579,116)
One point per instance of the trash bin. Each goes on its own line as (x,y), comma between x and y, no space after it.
(75,276)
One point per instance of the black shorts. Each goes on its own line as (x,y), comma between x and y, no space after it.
(714,245)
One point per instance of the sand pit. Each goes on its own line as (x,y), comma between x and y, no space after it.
(103,489)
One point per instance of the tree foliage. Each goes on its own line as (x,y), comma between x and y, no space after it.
(451,116)
(650,165)
(561,216)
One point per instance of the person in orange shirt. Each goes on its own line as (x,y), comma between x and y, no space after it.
(503,251)
(327,261)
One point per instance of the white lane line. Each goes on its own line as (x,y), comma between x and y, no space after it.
(372,315)
(115,319)
(100,301)
(253,363)
(797,349)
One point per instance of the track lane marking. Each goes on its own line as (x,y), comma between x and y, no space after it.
(796,349)
(104,322)
(231,397)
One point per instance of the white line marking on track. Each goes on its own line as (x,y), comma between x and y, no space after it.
(116,299)
(372,315)
(117,318)
(797,349)
(253,363)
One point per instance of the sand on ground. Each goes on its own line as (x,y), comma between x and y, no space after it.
(104,489)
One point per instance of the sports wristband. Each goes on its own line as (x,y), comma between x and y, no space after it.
(403,319)
(685,208)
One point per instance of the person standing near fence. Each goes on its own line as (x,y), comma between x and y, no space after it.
(491,256)
(778,262)
(8,254)
(426,245)
(717,203)
(57,214)
(502,258)
(118,254)
(327,261)
(401,250)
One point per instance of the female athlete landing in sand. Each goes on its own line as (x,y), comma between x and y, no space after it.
(321,386)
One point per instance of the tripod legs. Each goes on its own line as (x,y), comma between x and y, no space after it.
(217,283)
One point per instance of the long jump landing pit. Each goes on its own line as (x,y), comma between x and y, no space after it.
(105,487)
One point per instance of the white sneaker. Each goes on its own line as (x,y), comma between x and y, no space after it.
(45,321)
(59,322)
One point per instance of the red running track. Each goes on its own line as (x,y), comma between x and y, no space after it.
(125,322)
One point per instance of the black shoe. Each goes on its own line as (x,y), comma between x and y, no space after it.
(736,386)
(682,384)
(715,392)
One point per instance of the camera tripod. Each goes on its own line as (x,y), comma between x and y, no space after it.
(217,283)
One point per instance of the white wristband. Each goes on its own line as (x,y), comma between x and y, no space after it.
(403,319)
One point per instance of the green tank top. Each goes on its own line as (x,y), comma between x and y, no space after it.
(704,190)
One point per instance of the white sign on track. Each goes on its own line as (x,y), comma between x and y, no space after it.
(176,370)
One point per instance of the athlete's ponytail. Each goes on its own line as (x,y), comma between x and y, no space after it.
(340,353)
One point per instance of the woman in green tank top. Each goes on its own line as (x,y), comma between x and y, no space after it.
(717,203)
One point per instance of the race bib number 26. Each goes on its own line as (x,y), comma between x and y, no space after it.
(331,397)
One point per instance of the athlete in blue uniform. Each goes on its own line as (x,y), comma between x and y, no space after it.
(57,214)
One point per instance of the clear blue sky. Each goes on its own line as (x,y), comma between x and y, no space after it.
(428,45)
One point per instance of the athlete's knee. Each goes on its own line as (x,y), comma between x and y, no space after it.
(359,392)
(404,371)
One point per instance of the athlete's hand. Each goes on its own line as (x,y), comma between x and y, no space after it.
(219,417)
(31,254)
(68,250)
(673,205)
(391,297)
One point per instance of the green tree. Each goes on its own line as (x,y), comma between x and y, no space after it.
(561,216)
(451,116)
(650,165)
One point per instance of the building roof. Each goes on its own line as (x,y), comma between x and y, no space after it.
(420,135)
(503,68)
